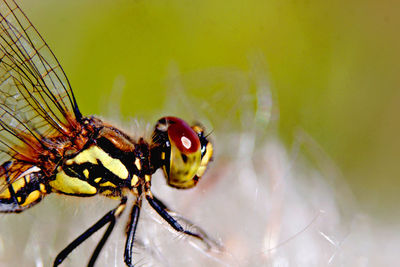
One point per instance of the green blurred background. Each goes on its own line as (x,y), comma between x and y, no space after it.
(332,67)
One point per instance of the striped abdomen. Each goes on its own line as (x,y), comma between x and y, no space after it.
(22,187)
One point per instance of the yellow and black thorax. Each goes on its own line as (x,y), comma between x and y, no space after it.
(107,164)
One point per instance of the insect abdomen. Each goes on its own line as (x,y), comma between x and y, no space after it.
(25,191)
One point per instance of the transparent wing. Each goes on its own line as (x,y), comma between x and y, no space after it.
(36,100)
(37,105)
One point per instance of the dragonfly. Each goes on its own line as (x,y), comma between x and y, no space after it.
(47,145)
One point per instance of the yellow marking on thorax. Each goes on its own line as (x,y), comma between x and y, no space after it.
(71,185)
(135,180)
(108,183)
(86,173)
(163,155)
(95,153)
(32,197)
(98,179)
(138,164)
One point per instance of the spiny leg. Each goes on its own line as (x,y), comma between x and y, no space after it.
(109,217)
(131,233)
(198,233)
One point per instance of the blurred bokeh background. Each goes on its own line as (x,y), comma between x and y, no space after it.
(331,68)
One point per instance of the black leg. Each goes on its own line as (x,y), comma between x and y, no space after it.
(103,240)
(163,211)
(131,234)
(109,217)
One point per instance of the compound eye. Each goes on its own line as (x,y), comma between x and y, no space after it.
(183,137)
(184,154)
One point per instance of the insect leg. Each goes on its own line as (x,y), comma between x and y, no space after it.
(198,233)
(118,212)
(131,233)
(108,218)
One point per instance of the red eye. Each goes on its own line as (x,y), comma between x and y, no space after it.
(180,133)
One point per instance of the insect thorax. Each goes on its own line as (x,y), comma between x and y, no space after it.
(109,163)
